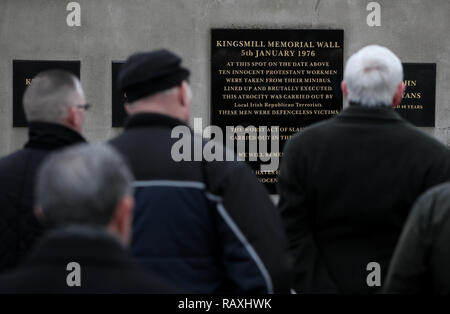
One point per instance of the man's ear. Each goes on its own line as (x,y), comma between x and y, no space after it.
(72,118)
(344,89)
(398,94)
(185,98)
(37,210)
(128,109)
(185,95)
(122,220)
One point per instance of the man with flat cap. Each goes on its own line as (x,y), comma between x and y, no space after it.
(208,227)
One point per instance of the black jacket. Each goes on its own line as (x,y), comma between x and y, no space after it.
(18,226)
(421,260)
(104,264)
(208,227)
(346,188)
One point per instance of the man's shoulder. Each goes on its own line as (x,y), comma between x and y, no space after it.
(13,158)
(402,131)
(319,130)
(432,208)
(14,163)
(21,160)
(117,139)
(136,137)
(439,196)
(419,140)
(124,142)
(94,279)
(45,269)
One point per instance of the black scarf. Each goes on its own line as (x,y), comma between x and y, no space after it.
(148,119)
(50,136)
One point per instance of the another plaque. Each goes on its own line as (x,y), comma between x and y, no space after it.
(284,78)
(418,103)
(118,99)
(23,73)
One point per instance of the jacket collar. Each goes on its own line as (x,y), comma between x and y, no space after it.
(84,244)
(357,111)
(49,136)
(142,120)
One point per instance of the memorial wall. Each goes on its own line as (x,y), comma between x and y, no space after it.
(253,62)
(274,80)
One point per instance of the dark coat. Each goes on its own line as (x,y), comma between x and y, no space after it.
(421,260)
(105,266)
(18,226)
(346,188)
(208,227)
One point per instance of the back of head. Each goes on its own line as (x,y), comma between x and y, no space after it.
(156,81)
(148,73)
(50,96)
(372,76)
(82,185)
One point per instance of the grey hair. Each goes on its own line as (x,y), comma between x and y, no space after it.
(372,76)
(82,185)
(50,95)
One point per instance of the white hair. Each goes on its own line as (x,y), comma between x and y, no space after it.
(372,76)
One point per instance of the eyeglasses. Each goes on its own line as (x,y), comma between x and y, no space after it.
(86,107)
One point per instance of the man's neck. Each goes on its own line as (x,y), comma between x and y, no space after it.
(378,106)
(158,110)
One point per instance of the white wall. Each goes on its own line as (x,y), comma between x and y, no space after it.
(417,30)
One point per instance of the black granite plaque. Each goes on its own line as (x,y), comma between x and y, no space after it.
(418,103)
(118,100)
(23,73)
(284,78)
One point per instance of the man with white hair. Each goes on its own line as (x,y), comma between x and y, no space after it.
(55,107)
(347,184)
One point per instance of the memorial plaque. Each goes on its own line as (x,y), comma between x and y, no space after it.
(418,103)
(284,78)
(23,73)
(118,99)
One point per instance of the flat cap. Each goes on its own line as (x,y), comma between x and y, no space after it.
(147,73)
